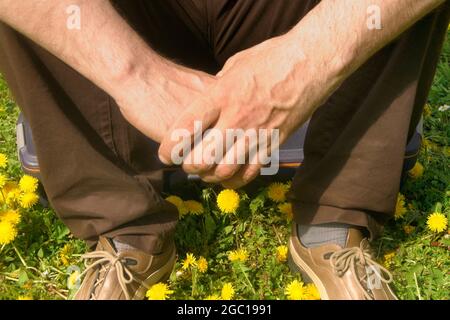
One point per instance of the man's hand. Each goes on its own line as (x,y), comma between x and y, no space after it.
(150,90)
(270,86)
(280,83)
(152,104)
(251,93)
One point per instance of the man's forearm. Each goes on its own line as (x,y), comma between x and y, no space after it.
(336,39)
(106,49)
(150,90)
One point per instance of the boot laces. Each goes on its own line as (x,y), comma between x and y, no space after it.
(104,259)
(360,258)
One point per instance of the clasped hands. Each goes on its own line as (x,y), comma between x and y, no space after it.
(269,86)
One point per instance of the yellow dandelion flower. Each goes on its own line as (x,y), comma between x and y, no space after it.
(183,211)
(202,265)
(232,256)
(296,291)
(176,201)
(28,285)
(64,259)
(13,197)
(282,253)
(28,184)
(159,291)
(409,229)
(277,192)
(10,193)
(400,209)
(429,145)
(3,161)
(242,255)
(24,298)
(194,207)
(311,292)
(8,187)
(8,232)
(27,200)
(11,216)
(227,292)
(65,253)
(437,222)
(3,180)
(189,261)
(228,201)
(73,280)
(286,209)
(417,171)
(212,297)
(179,203)
(388,257)
(238,255)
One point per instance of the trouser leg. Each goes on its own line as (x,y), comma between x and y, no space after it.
(355,146)
(356,142)
(96,168)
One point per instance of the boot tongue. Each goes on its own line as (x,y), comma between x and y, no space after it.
(354,238)
(106,244)
(121,246)
(126,251)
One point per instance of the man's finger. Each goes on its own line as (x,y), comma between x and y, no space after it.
(239,150)
(246,174)
(206,152)
(178,141)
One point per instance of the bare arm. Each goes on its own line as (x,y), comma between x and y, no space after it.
(345,38)
(279,83)
(107,51)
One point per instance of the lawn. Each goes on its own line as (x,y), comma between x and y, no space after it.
(243,252)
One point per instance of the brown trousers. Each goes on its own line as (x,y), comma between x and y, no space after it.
(101,174)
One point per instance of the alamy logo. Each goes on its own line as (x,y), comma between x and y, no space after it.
(215,146)
(73,279)
(374,17)
(74,17)
(373,277)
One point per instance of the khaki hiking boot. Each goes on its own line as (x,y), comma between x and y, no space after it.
(123,275)
(348,273)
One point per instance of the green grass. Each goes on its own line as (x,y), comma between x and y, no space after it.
(36,264)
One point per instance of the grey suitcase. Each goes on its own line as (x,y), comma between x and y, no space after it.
(291,153)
